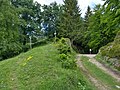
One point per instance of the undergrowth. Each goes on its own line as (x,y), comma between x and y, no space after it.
(66,54)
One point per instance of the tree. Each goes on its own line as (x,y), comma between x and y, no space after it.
(85,38)
(30,15)
(103,24)
(94,30)
(51,15)
(9,31)
(70,20)
(111,19)
(86,18)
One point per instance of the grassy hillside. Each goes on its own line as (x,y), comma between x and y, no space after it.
(38,69)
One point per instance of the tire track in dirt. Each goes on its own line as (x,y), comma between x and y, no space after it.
(107,70)
(98,84)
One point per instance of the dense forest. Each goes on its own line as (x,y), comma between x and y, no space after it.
(22,21)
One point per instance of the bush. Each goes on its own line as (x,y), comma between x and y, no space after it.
(10,50)
(63,46)
(64,49)
(69,64)
(63,57)
(111,52)
(63,41)
(65,52)
(105,49)
(115,51)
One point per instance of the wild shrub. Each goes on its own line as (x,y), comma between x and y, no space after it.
(69,64)
(10,50)
(65,54)
(63,46)
(63,57)
(112,52)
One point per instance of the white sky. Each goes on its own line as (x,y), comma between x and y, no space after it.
(82,3)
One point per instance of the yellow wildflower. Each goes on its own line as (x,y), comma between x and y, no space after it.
(26,60)
(30,57)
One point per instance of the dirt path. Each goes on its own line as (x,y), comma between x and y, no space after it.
(98,84)
(104,68)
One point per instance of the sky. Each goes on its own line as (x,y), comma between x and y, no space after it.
(83,4)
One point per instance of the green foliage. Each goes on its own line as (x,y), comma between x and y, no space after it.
(63,57)
(10,50)
(82,40)
(66,53)
(69,63)
(50,16)
(104,24)
(9,31)
(87,17)
(19,19)
(94,30)
(29,14)
(112,49)
(105,49)
(70,21)
(63,46)
(117,38)
(99,26)
(112,52)
(115,51)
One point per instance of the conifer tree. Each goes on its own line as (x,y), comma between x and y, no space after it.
(70,22)
(87,16)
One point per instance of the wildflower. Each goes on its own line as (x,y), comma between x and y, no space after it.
(30,57)
(26,60)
